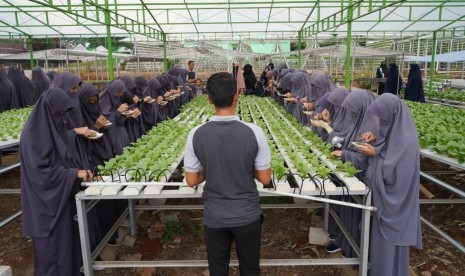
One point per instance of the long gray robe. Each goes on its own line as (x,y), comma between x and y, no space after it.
(394,177)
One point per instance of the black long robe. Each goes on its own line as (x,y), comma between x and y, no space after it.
(48,184)
(40,81)
(25,91)
(109,103)
(8,99)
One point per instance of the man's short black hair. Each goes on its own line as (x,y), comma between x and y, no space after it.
(189,62)
(221,89)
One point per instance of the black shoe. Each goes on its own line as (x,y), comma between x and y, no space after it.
(112,243)
(332,237)
(332,248)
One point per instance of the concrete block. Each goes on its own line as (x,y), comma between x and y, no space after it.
(317,236)
(157,201)
(129,241)
(167,218)
(134,258)
(148,271)
(108,253)
(6,271)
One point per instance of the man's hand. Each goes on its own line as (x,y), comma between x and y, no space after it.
(195,178)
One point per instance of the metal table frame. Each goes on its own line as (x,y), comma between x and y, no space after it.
(85,203)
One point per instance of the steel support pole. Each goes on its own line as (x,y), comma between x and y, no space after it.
(96,68)
(365,238)
(78,68)
(138,65)
(165,61)
(433,55)
(46,61)
(111,74)
(84,235)
(350,10)
(117,67)
(299,47)
(67,61)
(352,68)
(31,50)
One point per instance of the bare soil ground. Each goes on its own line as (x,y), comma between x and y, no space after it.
(285,235)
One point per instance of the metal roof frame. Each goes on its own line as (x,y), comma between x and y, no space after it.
(180,19)
(177,20)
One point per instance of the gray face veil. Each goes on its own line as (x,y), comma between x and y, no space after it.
(361,121)
(322,84)
(301,85)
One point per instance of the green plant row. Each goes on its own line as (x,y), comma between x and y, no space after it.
(449,95)
(161,148)
(277,163)
(440,128)
(315,149)
(12,122)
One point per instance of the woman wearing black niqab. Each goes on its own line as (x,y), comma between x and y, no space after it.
(101,149)
(382,73)
(394,81)
(49,181)
(134,125)
(40,81)
(51,75)
(152,111)
(250,79)
(112,109)
(70,84)
(78,132)
(25,91)
(414,91)
(140,83)
(8,98)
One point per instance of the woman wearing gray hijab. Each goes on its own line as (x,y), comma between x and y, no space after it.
(301,90)
(322,106)
(285,87)
(322,84)
(279,68)
(393,176)
(335,126)
(356,105)
(181,75)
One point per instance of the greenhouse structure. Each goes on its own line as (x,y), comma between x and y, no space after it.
(147,44)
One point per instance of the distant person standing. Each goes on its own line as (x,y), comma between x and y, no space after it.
(382,73)
(414,89)
(394,80)
(228,154)
(237,73)
(191,76)
(250,79)
(198,88)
